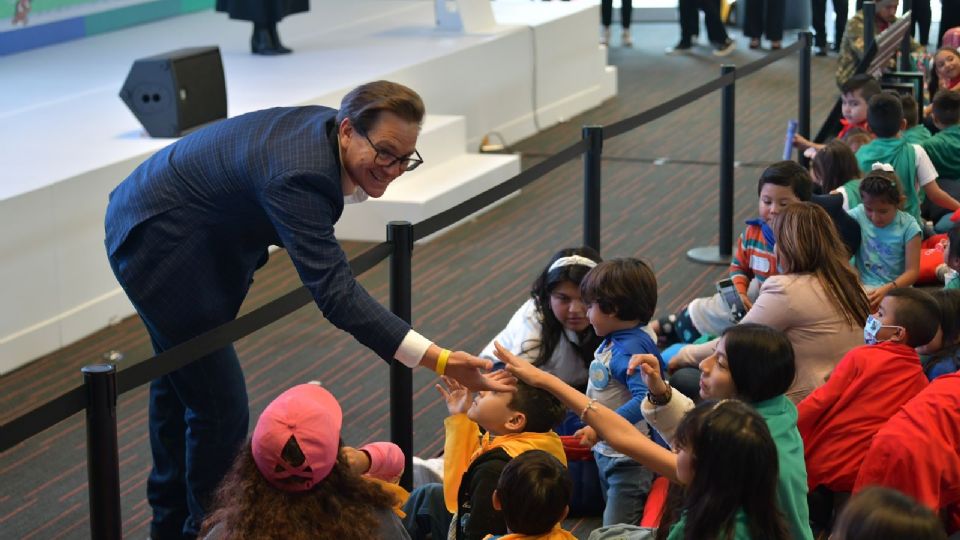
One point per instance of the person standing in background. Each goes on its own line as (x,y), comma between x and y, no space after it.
(690,27)
(764,17)
(606,18)
(840,9)
(264,14)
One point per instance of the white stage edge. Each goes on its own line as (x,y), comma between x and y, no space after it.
(68,139)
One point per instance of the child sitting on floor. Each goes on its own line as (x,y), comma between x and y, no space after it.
(942,355)
(916,172)
(533,494)
(855,93)
(725,458)
(295,479)
(889,255)
(917,451)
(621,296)
(514,423)
(753,261)
(868,386)
(836,170)
(914,132)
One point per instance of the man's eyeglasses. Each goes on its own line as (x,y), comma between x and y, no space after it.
(387,159)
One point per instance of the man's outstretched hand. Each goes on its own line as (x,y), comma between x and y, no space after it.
(469,370)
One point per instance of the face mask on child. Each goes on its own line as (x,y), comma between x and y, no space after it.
(871,329)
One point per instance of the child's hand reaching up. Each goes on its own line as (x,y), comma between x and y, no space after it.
(588,437)
(456,395)
(649,368)
(520,368)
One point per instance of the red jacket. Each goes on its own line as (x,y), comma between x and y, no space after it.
(918,450)
(838,420)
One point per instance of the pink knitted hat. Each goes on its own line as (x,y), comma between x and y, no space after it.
(312,415)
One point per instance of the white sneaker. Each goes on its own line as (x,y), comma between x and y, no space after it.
(605,36)
(725,48)
(626,39)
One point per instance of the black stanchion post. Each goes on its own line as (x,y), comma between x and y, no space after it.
(721,253)
(103,462)
(803,108)
(869,14)
(593,135)
(400,235)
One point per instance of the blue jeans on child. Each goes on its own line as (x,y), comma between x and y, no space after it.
(426,513)
(625,485)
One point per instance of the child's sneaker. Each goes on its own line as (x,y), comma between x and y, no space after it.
(725,48)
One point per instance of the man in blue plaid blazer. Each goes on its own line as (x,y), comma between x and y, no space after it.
(188,228)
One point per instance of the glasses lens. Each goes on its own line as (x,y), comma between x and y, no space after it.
(410,164)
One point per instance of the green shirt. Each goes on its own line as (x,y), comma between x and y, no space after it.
(781,416)
(903,157)
(944,151)
(917,134)
(741,531)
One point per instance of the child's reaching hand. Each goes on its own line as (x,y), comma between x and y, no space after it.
(358,461)
(456,395)
(649,368)
(801,142)
(588,437)
(520,368)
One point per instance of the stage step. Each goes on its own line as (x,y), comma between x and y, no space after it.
(442,137)
(426,192)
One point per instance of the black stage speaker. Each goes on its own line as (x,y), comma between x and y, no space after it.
(174,92)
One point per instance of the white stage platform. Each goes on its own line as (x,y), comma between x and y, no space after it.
(68,139)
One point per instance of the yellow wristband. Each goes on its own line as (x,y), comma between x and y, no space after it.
(442,361)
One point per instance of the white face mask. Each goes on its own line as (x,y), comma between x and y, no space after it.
(871,329)
(358,196)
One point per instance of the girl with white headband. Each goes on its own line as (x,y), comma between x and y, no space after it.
(551,328)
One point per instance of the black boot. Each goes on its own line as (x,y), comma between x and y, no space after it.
(265,41)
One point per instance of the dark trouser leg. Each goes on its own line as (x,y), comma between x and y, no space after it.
(166,485)
(606,12)
(776,10)
(198,423)
(217,416)
(689,19)
(819,22)
(753,20)
(840,8)
(716,33)
(626,12)
(922,18)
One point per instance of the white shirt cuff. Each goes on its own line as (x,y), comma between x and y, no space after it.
(412,349)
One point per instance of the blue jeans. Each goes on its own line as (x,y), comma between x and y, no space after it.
(625,485)
(427,514)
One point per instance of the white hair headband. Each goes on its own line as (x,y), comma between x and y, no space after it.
(571,260)
(886,167)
